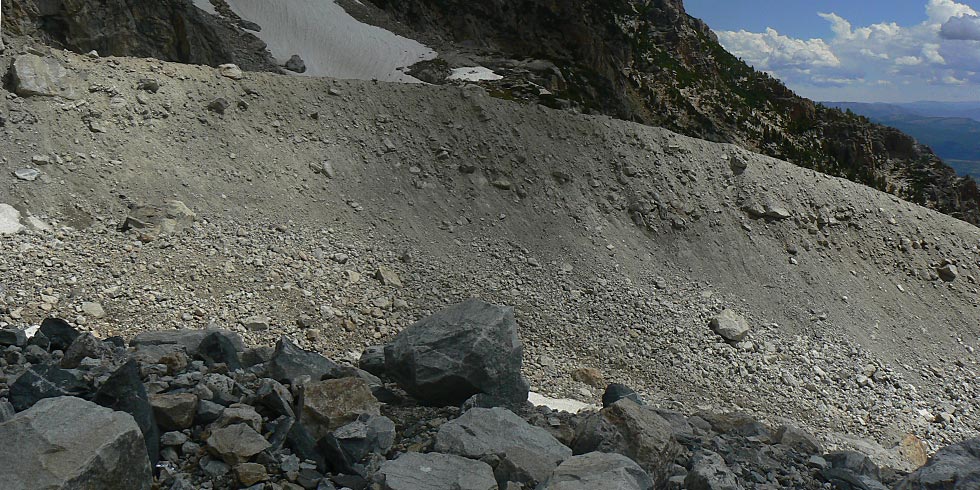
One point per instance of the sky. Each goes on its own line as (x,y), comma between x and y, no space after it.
(857,50)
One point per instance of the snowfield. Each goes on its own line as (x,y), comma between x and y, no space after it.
(331,42)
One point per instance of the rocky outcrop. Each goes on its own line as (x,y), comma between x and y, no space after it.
(955,467)
(172,30)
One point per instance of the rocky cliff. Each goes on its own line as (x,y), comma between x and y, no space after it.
(649,61)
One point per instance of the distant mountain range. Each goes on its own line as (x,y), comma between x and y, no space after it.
(951,129)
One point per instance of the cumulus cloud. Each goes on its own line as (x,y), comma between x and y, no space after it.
(963,28)
(937,51)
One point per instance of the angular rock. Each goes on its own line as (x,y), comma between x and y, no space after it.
(152,221)
(368,434)
(730,325)
(948,273)
(59,333)
(231,71)
(236,444)
(709,472)
(250,473)
(295,64)
(27,174)
(9,220)
(275,397)
(466,349)
(217,348)
(85,345)
(174,411)
(34,75)
(387,277)
(329,404)
(67,443)
(802,442)
(954,467)
(124,391)
(373,360)
(13,336)
(239,413)
(634,431)
(45,381)
(189,339)
(598,470)
(529,453)
(434,471)
(289,363)
(6,410)
(617,391)
(93,309)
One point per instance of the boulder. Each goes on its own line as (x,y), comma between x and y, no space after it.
(634,431)
(730,326)
(955,467)
(34,75)
(189,339)
(218,348)
(368,434)
(13,336)
(434,471)
(597,470)
(528,454)
(289,363)
(59,333)
(45,381)
(295,64)
(69,443)
(124,391)
(801,442)
(617,391)
(174,411)
(230,70)
(236,444)
(709,472)
(329,404)
(154,221)
(373,360)
(466,349)
(85,345)
(9,220)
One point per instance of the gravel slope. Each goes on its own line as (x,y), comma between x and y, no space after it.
(616,242)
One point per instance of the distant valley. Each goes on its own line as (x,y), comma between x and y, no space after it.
(951,129)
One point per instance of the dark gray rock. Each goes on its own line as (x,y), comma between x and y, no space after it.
(617,391)
(368,434)
(45,381)
(854,461)
(67,443)
(85,345)
(434,471)
(529,454)
(217,348)
(466,349)
(801,442)
(289,363)
(373,360)
(634,431)
(709,472)
(59,333)
(124,391)
(6,410)
(273,396)
(13,336)
(295,64)
(189,339)
(598,470)
(955,467)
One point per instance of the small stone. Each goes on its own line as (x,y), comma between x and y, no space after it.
(387,277)
(219,105)
(590,376)
(948,273)
(257,323)
(41,160)
(249,474)
(174,411)
(295,64)
(173,438)
(330,404)
(236,444)
(28,174)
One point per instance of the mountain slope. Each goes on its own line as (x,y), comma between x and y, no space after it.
(955,139)
(648,61)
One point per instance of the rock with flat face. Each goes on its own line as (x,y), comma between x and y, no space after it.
(955,467)
(45,381)
(236,444)
(434,471)
(289,362)
(332,403)
(174,411)
(466,349)
(597,470)
(632,430)
(730,326)
(709,472)
(189,339)
(154,221)
(34,75)
(530,453)
(124,391)
(69,443)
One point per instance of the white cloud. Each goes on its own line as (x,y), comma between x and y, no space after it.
(876,57)
(964,28)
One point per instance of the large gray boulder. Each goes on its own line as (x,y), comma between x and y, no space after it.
(955,467)
(189,339)
(69,443)
(632,430)
(466,349)
(598,470)
(34,75)
(434,471)
(709,472)
(527,454)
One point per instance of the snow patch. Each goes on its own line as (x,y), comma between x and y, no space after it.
(331,42)
(561,404)
(474,74)
(206,6)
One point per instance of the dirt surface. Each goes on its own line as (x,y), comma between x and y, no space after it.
(615,242)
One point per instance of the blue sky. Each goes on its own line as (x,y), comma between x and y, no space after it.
(858,50)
